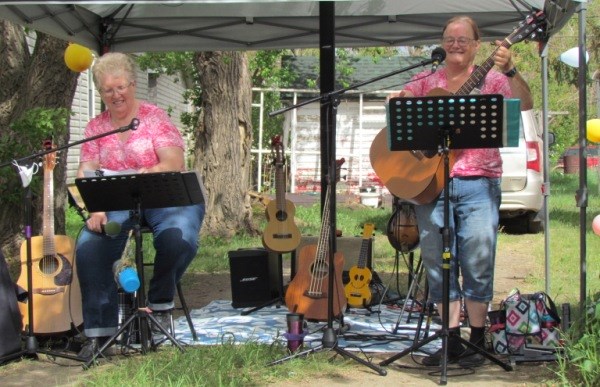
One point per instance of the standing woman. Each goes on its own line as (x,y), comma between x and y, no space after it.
(474,194)
(155,146)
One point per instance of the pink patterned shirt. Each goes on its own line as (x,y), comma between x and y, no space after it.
(469,162)
(139,151)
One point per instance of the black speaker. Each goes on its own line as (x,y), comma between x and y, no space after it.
(255,277)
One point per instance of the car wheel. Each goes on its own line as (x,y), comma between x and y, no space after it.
(534,224)
(524,224)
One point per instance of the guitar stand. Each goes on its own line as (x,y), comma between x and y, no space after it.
(279,300)
(158,190)
(454,126)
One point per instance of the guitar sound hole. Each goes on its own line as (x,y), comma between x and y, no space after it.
(49,264)
(281,215)
(319,270)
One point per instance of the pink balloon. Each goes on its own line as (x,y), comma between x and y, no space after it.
(596,225)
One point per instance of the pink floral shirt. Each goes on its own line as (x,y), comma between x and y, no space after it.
(139,151)
(469,162)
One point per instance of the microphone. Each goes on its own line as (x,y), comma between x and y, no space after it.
(111,228)
(126,276)
(437,56)
(133,125)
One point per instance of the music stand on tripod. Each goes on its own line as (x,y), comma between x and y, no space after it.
(440,124)
(135,193)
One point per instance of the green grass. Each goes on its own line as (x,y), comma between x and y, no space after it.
(223,365)
(234,365)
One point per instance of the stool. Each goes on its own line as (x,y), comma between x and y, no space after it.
(184,307)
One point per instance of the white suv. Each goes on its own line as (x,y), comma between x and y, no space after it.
(522,179)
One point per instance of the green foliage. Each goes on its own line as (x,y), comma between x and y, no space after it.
(25,137)
(579,363)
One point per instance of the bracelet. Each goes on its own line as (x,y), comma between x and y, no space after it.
(511,73)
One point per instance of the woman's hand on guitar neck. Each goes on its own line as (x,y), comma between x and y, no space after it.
(503,58)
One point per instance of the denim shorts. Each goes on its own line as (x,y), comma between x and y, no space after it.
(474,204)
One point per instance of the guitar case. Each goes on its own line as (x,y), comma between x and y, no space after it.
(10,318)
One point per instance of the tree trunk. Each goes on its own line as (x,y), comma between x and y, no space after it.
(40,79)
(224,140)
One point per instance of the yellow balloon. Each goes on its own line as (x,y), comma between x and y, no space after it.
(78,58)
(593,130)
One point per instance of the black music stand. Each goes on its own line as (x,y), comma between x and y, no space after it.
(135,193)
(440,124)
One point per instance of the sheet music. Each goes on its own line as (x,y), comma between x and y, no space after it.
(108,172)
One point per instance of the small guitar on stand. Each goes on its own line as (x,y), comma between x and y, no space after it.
(55,288)
(281,233)
(357,290)
(413,175)
(307,292)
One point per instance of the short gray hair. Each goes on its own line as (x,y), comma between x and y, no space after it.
(115,64)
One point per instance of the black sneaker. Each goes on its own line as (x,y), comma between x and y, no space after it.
(471,359)
(435,359)
(91,347)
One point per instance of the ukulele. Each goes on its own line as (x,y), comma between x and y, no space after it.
(357,290)
(281,233)
(402,229)
(413,176)
(54,287)
(307,292)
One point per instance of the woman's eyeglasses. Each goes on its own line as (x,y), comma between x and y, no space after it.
(118,90)
(462,41)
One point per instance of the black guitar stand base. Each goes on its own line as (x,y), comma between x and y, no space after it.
(330,342)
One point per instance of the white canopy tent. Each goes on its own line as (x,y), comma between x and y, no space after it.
(221,25)
(218,25)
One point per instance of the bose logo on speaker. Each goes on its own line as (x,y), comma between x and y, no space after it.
(249,279)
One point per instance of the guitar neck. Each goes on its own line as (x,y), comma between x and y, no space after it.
(364,251)
(48,214)
(324,237)
(481,71)
(280,187)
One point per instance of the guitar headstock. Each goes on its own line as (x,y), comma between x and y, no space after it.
(529,28)
(368,230)
(50,158)
(277,150)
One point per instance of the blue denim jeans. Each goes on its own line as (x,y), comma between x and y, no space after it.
(474,204)
(175,231)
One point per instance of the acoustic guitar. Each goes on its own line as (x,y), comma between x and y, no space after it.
(413,176)
(357,290)
(307,293)
(402,228)
(281,233)
(54,288)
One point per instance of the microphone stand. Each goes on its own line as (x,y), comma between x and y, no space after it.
(332,99)
(31,344)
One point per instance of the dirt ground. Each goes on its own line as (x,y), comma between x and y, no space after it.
(201,289)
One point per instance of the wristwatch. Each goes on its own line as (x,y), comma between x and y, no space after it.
(511,73)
